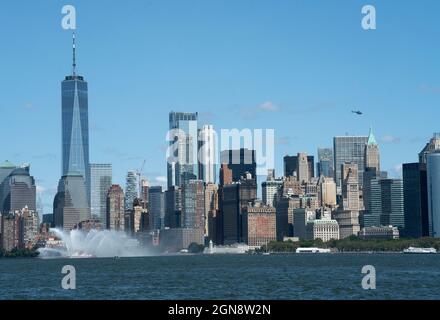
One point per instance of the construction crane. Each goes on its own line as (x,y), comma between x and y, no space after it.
(139,175)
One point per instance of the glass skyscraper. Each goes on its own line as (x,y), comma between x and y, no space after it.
(433,177)
(157,207)
(386,204)
(75,126)
(325,162)
(349,149)
(100,183)
(130,190)
(415,197)
(184,142)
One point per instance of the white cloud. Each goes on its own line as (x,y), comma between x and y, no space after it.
(161,179)
(268,106)
(398,169)
(40,189)
(390,139)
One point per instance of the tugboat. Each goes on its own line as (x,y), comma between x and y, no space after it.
(414,250)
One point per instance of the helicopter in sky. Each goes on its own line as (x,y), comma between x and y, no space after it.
(358,112)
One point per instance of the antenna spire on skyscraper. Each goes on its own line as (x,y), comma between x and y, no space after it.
(73,54)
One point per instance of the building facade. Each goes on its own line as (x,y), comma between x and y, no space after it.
(193,205)
(386,205)
(324,229)
(100,183)
(130,190)
(207,154)
(18,190)
(349,149)
(433,179)
(157,207)
(183,139)
(115,209)
(415,196)
(71,204)
(239,162)
(325,162)
(259,225)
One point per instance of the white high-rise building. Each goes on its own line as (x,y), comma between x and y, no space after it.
(207,154)
(271,187)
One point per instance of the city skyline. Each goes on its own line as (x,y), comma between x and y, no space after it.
(258,108)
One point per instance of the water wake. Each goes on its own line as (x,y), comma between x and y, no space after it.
(94,243)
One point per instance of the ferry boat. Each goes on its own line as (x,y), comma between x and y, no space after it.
(414,250)
(312,250)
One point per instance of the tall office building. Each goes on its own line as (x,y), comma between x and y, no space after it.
(115,217)
(386,204)
(325,162)
(415,195)
(18,190)
(71,205)
(327,192)
(347,214)
(259,225)
(130,190)
(433,178)
(100,183)
(350,187)
(75,126)
(6,169)
(291,166)
(431,146)
(284,214)
(211,211)
(236,196)
(157,207)
(207,154)
(372,156)
(173,207)
(183,132)
(302,170)
(145,187)
(193,205)
(370,174)
(239,161)
(349,149)
(270,188)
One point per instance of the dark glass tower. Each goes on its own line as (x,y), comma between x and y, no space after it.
(75,125)
(415,195)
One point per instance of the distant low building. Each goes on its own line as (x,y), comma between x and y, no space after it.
(348,223)
(325,229)
(90,224)
(383,232)
(180,238)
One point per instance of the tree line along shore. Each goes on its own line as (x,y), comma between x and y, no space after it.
(354,244)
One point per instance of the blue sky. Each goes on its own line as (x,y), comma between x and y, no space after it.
(310,60)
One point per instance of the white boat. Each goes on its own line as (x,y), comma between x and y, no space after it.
(312,250)
(414,250)
(238,248)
